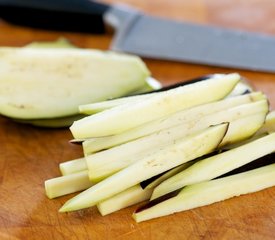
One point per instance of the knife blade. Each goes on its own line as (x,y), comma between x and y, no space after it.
(148,36)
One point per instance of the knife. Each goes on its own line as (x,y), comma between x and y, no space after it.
(148,36)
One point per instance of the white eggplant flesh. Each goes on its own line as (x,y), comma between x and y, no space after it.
(240,89)
(181,151)
(206,193)
(105,163)
(267,128)
(37,83)
(73,166)
(189,115)
(217,165)
(97,107)
(243,128)
(152,84)
(63,185)
(242,125)
(92,108)
(269,125)
(127,116)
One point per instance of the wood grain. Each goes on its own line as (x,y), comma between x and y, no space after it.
(30,155)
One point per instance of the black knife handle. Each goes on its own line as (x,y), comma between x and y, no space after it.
(60,15)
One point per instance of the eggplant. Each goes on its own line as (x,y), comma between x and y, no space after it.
(217,165)
(244,121)
(71,183)
(188,115)
(208,192)
(181,151)
(127,116)
(43,83)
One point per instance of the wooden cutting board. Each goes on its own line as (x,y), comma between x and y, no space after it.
(29,155)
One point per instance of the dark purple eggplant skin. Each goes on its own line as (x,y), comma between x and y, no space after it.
(260,162)
(190,81)
(187,82)
(145,183)
(157,201)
